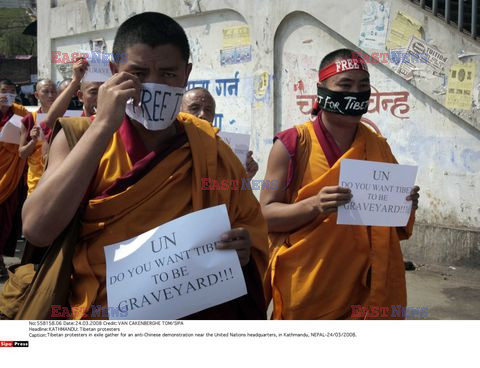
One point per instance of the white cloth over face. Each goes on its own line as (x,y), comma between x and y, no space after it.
(10,98)
(159,106)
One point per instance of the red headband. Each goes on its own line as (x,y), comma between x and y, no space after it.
(340,66)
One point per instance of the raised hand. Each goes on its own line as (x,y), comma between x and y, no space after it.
(80,67)
(113,96)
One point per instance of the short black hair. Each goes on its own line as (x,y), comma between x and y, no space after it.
(152,29)
(7,82)
(338,54)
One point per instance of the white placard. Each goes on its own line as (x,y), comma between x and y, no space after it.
(73,113)
(98,69)
(16,120)
(41,116)
(379,193)
(69,113)
(239,143)
(10,133)
(174,270)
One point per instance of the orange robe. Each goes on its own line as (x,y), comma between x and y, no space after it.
(11,172)
(324,270)
(36,166)
(119,210)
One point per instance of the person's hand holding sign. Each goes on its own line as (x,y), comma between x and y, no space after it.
(237,239)
(330,198)
(35,133)
(414,197)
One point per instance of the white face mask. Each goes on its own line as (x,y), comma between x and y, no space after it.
(10,99)
(159,106)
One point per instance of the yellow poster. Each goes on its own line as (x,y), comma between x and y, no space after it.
(402,28)
(261,84)
(460,86)
(236,36)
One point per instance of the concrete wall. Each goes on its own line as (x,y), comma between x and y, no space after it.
(275,72)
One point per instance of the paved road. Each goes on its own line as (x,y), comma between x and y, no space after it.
(447,292)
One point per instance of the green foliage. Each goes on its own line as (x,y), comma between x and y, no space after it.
(12,41)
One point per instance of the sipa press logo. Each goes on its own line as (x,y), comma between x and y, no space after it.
(13,344)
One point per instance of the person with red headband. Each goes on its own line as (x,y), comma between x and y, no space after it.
(318,269)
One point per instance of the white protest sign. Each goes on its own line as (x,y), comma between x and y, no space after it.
(379,193)
(98,69)
(173,270)
(73,113)
(10,133)
(239,143)
(69,113)
(41,116)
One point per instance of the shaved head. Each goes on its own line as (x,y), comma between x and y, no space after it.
(46,93)
(88,94)
(87,85)
(64,84)
(199,102)
(44,82)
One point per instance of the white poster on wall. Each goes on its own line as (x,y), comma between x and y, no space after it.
(374,27)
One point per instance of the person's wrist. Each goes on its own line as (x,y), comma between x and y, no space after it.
(312,204)
(75,82)
(103,125)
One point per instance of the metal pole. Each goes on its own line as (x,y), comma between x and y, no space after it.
(447,11)
(422,4)
(474,18)
(461,8)
(435,7)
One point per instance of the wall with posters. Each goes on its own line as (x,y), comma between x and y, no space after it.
(443,146)
(222,53)
(259,60)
